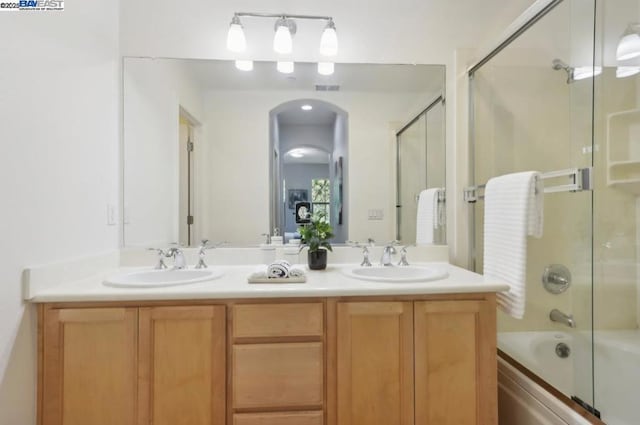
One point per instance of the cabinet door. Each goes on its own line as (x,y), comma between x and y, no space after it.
(89,366)
(374,363)
(182,365)
(456,377)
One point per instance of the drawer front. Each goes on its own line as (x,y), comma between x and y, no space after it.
(277,320)
(278,375)
(279,418)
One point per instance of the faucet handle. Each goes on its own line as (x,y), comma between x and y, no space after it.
(403,256)
(160,265)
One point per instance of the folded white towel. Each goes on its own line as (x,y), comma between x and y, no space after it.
(428,217)
(513,210)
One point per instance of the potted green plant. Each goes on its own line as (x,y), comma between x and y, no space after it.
(315,235)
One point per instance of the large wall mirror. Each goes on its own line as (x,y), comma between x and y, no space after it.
(214,152)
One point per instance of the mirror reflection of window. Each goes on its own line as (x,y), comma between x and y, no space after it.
(321,197)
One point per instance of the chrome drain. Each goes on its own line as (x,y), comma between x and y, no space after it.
(563,350)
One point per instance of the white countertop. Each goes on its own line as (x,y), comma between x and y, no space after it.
(233,284)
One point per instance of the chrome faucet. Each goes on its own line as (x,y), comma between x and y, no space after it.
(403,257)
(160,265)
(365,251)
(204,245)
(179,262)
(558,316)
(387,252)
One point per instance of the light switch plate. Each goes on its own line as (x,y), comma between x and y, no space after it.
(375,214)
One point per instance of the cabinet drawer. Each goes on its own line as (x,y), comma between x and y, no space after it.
(278,375)
(279,418)
(277,320)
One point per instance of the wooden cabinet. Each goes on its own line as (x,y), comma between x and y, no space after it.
(278,363)
(455,363)
(182,366)
(405,360)
(89,366)
(422,363)
(375,363)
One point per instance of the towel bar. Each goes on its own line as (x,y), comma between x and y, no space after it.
(580,179)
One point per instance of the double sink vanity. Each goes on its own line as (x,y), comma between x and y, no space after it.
(353,345)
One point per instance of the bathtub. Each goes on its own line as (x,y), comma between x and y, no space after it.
(616,363)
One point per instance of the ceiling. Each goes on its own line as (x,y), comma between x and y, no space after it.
(295,115)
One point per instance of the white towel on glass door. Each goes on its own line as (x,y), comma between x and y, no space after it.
(513,210)
(427,216)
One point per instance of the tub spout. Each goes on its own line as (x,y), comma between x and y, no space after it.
(558,316)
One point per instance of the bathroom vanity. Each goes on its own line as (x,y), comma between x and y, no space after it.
(332,351)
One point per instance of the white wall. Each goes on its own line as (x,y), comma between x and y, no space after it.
(237,149)
(154,92)
(59,96)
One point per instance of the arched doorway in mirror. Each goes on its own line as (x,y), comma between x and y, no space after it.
(309,163)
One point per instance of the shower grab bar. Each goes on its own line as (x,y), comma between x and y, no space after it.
(580,180)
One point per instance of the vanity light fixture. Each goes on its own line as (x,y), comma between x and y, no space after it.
(285,67)
(627,71)
(329,40)
(306,107)
(629,44)
(285,29)
(236,41)
(283,40)
(325,68)
(244,65)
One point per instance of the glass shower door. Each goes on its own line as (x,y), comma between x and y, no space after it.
(530,112)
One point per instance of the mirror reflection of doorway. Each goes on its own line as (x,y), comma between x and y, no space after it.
(187,134)
(309,164)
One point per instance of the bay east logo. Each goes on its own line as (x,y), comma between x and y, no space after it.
(41,4)
(38,5)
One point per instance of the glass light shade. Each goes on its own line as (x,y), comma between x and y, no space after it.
(236,42)
(627,71)
(325,68)
(244,65)
(282,42)
(629,44)
(329,41)
(584,72)
(285,67)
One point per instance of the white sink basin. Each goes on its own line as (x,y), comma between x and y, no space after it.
(161,278)
(397,274)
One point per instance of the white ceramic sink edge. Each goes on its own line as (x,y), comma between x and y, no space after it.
(161,278)
(397,274)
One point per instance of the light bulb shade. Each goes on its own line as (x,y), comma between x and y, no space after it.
(584,72)
(629,44)
(285,67)
(329,40)
(627,71)
(236,42)
(325,68)
(282,42)
(244,65)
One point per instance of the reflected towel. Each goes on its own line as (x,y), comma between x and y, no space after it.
(513,210)
(427,217)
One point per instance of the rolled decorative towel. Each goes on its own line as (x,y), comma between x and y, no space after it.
(279,269)
(260,274)
(296,272)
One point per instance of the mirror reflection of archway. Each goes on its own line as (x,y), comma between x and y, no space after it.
(309,162)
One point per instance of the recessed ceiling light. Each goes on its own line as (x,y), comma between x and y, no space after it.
(306,107)
(297,153)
